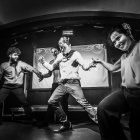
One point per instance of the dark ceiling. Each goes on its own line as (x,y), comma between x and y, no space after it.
(19,17)
(16,10)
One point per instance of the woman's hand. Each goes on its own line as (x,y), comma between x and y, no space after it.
(96,61)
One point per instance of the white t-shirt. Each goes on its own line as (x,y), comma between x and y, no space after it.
(69,66)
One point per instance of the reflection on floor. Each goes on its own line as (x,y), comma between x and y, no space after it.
(21,129)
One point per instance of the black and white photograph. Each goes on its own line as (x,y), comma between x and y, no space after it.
(69,70)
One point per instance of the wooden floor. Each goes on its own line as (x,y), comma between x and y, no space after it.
(21,129)
(25,131)
(83,129)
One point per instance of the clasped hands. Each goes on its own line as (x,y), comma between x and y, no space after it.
(95,62)
(39,74)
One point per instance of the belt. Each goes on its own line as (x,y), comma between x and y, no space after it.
(70,81)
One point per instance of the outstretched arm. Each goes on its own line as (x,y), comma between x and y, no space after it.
(29,68)
(49,74)
(108,66)
(85,66)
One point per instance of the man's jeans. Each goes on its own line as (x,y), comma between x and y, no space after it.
(72,87)
(109,114)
